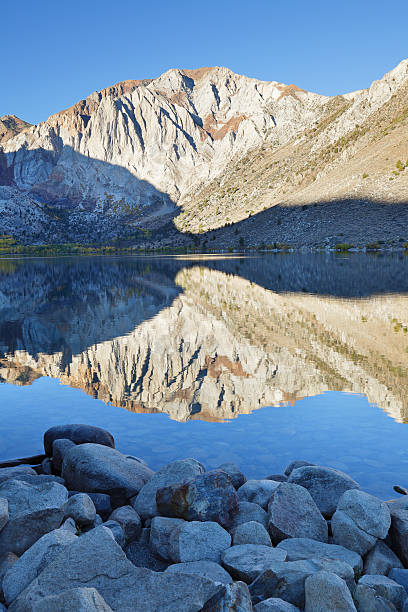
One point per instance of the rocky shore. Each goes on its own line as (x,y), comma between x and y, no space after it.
(87,528)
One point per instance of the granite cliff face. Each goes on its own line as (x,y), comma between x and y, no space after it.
(234,345)
(136,150)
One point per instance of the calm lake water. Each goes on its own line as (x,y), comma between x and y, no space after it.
(259,360)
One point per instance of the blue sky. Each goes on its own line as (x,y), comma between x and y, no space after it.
(56,53)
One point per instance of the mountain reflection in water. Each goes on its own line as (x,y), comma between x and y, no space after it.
(209,338)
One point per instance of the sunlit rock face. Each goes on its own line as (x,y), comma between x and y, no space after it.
(214,345)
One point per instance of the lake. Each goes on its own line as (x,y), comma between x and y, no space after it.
(257,359)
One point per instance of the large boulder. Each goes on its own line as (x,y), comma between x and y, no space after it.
(236,598)
(59,447)
(384,587)
(380,560)
(249,512)
(101,469)
(251,533)
(347,534)
(305,548)
(399,532)
(246,561)
(33,511)
(257,491)
(325,485)
(275,604)
(292,513)
(130,522)
(33,561)
(78,434)
(4,513)
(208,569)
(325,592)
(208,497)
(81,599)
(233,471)
(13,473)
(198,541)
(160,531)
(95,560)
(173,473)
(81,508)
(141,555)
(367,600)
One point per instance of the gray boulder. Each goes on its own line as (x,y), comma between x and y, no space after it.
(173,473)
(208,497)
(208,569)
(33,561)
(130,522)
(257,491)
(46,466)
(251,533)
(277,477)
(160,531)
(325,485)
(69,525)
(96,560)
(101,469)
(275,604)
(305,548)
(236,598)
(399,532)
(249,512)
(79,434)
(399,575)
(59,447)
(4,513)
(33,511)
(292,513)
(295,465)
(12,473)
(325,592)
(347,534)
(368,512)
(102,503)
(81,508)
(246,561)
(140,554)
(6,562)
(380,560)
(198,541)
(233,471)
(117,532)
(81,599)
(384,587)
(367,600)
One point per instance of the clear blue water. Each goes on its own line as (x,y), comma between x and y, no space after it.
(156,336)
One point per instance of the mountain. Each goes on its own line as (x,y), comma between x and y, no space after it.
(223,148)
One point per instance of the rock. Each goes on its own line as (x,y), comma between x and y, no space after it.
(12,473)
(102,503)
(399,532)
(325,592)
(46,466)
(235,599)
(325,485)
(246,561)
(294,465)
(368,600)
(275,604)
(368,512)
(305,548)
(130,522)
(292,513)
(208,497)
(81,508)
(277,477)
(6,562)
(287,580)
(69,525)
(117,532)
(160,531)
(257,491)
(145,534)
(251,533)
(141,555)
(96,560)
(399,575)
(249,512)
(101,469)
(33,561)
(233,471)
(4,513)
(384,587)
(81,599)
(347,534)
(79,434)
(59,447)
(33,511)
(208,569)
(380,560)
(173,473)
(198,541)
(40,478)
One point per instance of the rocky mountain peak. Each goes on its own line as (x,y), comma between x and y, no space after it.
(10,126)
